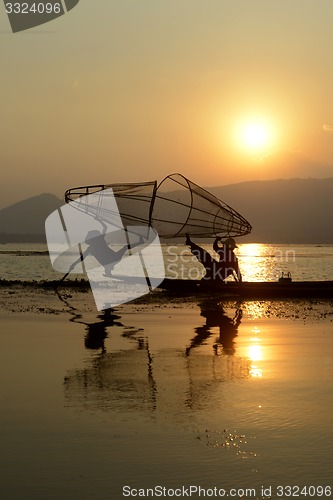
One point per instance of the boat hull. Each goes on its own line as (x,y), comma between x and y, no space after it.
(252,290)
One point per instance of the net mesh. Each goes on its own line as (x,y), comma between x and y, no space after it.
(181,207)
(134,201)
(175,207)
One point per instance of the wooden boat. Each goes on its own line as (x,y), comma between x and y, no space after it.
(247,289)
(251,290)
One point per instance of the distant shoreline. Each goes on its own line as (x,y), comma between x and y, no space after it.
(41,238)
(22,238)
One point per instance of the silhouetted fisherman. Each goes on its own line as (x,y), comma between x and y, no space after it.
(227,265)
(227,257)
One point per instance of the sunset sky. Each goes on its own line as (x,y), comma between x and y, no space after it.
(222,91)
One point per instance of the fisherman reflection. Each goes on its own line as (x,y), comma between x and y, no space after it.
(96,332)
(228,329)
(228,333)
(113,380)
(100,250)
(218,270)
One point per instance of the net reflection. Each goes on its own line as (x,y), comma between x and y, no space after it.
(135,378)
(113,379)
(121,380)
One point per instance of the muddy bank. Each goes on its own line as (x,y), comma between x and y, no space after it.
(38,298)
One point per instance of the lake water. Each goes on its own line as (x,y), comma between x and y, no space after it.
(211,396)
(165,397)
(258,262)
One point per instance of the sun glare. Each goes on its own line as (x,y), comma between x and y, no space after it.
(255,135)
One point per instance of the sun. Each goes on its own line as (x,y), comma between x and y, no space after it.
(255,135)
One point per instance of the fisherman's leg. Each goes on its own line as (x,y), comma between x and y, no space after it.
(237,273)
(238,276)
(119,254)
(221,271)
(113,260)
(201,254)
(205,259)
(108,268)
(194,247)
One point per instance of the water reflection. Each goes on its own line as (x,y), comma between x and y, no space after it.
(255,353)
(216,316)
(96,332)
(120,380)
(166,381)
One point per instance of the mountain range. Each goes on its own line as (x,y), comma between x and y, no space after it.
(284,211)
(25,221)
(280,211)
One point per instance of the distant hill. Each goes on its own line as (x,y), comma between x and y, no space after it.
(24,221)
(284,211)
(280,211)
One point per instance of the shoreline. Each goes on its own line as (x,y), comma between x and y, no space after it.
(19,298)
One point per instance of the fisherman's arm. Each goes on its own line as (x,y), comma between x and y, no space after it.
(104,226)
(216,246)
(102,223)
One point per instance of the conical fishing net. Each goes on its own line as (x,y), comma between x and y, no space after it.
(175,207)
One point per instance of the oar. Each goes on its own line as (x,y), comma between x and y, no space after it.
(62,279)
(73,266)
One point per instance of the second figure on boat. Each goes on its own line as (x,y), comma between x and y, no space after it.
(218,270)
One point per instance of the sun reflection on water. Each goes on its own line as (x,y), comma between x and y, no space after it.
(255,371)
(259,262)
(255,310)
(255,354)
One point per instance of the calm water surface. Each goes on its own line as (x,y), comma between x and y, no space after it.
(231,395)
(258,262)
(208,395)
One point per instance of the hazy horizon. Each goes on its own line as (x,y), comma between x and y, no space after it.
(61,194)
(223,92)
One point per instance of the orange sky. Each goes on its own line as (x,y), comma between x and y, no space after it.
(132,91)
